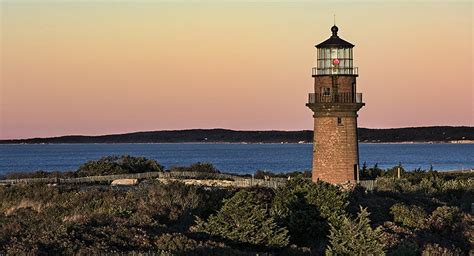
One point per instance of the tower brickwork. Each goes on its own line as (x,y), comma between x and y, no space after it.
(335,103)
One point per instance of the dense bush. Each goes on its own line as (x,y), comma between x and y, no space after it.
(111,165)
(428,212)
(175,243)
(413,176)
(244,218)
(307,209)
(330,200)
(411,216)
(405,248)
(389,184)
(457,192)
(370,173)
(444,218)
(355,237)
(436,249)
(302,219)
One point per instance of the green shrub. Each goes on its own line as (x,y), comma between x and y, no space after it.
(390,184)
(330,200)
(355,237)
(436,249)
(244,219)
(307,208)
(444,218)
(405,248)
(378,203)
(430,185)
(370,173)
(175,243)
(303,220)
(120,211)
(409,216)
(450,228)
(458,184)
(111,165)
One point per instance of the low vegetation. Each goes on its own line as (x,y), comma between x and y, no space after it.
(426,213)
(111,165)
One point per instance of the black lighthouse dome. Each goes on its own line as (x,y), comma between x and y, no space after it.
(335,41)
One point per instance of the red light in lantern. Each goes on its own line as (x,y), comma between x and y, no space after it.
(335,61)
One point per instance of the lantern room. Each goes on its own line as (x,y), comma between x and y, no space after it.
(334,56)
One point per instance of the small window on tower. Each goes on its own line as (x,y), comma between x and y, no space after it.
(339,121)
(326,91)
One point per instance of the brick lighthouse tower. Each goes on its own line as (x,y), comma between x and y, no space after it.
(335,103)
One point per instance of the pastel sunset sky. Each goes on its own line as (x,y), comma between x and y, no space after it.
(101,67)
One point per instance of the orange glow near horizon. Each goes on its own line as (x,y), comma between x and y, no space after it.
(92,67)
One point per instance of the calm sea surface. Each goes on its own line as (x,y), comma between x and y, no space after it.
(238,158)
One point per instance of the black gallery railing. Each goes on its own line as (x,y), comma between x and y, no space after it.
(345,97)
(335,71)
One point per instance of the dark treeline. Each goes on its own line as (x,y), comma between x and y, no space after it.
(416,134)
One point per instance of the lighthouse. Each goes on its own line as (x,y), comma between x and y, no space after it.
(335,103)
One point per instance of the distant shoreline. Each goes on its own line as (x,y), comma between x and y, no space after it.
(428,135)
(467,142)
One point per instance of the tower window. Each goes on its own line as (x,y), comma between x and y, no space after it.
(326,91)
(339,121)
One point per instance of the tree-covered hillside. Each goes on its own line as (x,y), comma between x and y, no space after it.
(415,134)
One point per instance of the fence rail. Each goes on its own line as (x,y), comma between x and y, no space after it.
(368,184)
(237,181)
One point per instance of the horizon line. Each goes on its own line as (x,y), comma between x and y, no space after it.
(220,128)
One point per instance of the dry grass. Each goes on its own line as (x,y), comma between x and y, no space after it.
(26,203)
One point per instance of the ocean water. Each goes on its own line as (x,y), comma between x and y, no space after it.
(237,158)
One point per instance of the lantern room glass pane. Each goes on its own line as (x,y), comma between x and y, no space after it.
(325,57)
(333,53)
